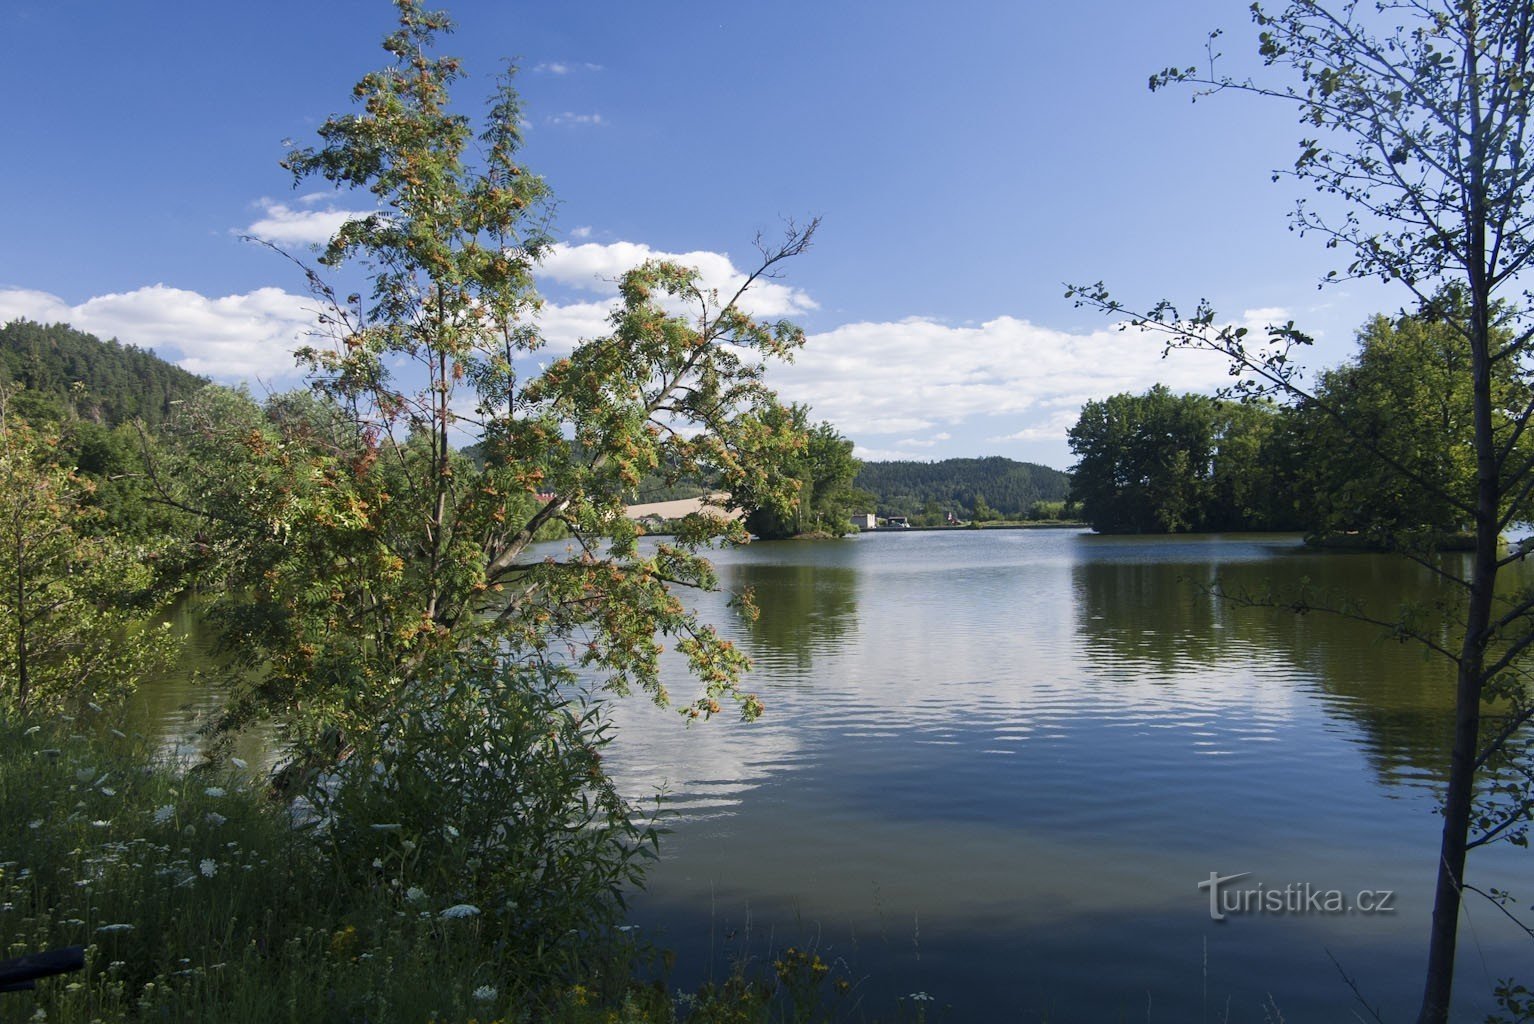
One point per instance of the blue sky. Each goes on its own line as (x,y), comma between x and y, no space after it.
(966,159)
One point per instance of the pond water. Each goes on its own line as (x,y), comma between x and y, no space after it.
(995,767)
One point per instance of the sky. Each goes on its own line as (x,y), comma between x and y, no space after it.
(966,159)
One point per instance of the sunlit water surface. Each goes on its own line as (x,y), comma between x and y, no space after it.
(995,767)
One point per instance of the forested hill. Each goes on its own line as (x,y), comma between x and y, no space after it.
(66,370)
(1009,487)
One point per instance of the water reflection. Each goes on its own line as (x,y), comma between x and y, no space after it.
(992,750)
(995,765)
(802,609)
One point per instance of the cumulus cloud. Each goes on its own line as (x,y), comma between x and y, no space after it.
(596,267)
(565,325)
(313,221)
(910,376)
(230,338)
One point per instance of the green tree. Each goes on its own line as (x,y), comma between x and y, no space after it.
(69,597)
(1142,461)
(1417,121)
(1392,432)
(821,474)
(388,585)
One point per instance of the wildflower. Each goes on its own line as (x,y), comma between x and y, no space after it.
(208,867)
(415,894)
(378,863)
(100,823)
(164,814)
(239,763)
(114,929)
(105,791)
(458,910)
(35,824)
(920,997)
(215,819)
(485,994)
(215,791)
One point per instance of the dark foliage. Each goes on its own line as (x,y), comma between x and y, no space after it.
(1006,486)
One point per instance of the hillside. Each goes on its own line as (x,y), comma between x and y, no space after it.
(65,370)
(1008,486)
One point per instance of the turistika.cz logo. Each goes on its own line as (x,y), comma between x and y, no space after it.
(1293,898)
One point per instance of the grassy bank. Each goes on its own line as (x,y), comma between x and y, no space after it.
(198,898)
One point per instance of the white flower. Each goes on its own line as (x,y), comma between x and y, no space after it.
(458,910)
(215,819)
(215,791)
(38,823)
(208,867)
(100,823)
(378,863)
(920,997)
(114,929)
(485,994)
(239,763)
(414,894)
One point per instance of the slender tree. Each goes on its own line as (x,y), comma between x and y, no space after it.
(1417,143)
(372,552)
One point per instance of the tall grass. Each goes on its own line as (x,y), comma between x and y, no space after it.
(199,898)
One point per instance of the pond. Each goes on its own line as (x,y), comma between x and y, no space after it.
(996,765)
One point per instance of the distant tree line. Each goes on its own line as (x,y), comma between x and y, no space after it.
(70,374)
(1381,449)
(978,489)
(99,401)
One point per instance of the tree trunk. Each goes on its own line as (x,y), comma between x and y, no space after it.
(1444,934)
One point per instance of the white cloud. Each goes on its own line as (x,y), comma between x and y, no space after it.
(888,454)
(1265,315)
(580,232)
(230,338)
(596,267)
(563,326)
(562,67)
(285,225)
(576,119)
(907,377)
(1052,429)
(25,304)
